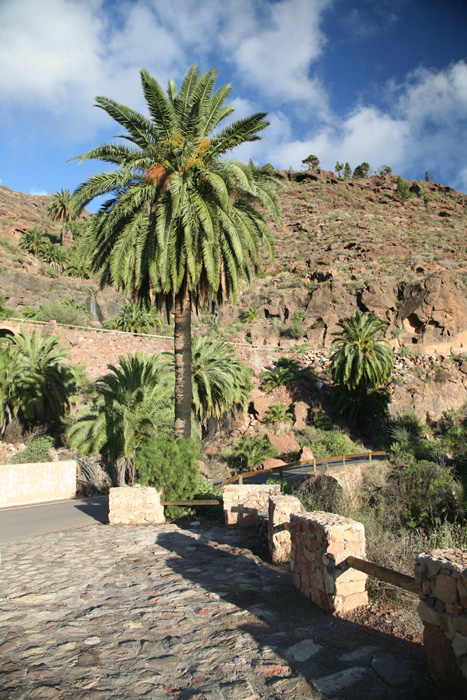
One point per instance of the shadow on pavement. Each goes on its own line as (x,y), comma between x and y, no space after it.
(279,617)
(96,508)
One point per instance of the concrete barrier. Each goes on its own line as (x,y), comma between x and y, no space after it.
(26,484)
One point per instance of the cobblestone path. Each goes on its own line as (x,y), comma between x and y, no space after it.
(164,612)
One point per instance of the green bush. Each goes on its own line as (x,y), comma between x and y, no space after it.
(64,311)
(206,491)
(285,487)
(403,191)
(37,451)
(4,311)
(327,443)
(172,467)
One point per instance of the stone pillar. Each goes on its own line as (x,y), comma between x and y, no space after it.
(442,579)
(242,503)
(135,505)
(280,510)
(320,544)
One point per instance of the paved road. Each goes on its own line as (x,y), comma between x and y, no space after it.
(307,468)
(28,521)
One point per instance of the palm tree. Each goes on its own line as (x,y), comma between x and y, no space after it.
(252,451)
(221,382)
(136,318)
(42,380)
(362,362)
(134,402)
(181,226)
(62,208)
(34,241)
(7,402)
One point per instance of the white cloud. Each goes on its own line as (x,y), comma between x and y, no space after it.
(423,128)
(275,54)
(35,190)
(56,56)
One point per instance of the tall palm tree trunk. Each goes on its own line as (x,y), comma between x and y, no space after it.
(183,378)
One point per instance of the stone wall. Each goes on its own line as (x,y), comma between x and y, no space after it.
(279,540)
(135,505)
(242,503)
(95,349)
(442,580)
(320,544)
(25,484)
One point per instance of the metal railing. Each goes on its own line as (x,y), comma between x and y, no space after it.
(315,462)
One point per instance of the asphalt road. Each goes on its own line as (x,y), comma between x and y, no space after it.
(43,518)
(29,521)
(304,469)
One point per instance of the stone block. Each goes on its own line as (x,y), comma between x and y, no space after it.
(136,505)
(445,588)
(243,502)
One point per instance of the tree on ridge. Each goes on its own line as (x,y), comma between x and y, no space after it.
(181,226)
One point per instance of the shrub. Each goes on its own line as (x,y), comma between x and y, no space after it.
(327,443)
(171,466)
(206,491)
(320,492)
(4,311)
(64,311)
(402,191)
(37,451)
(285,487)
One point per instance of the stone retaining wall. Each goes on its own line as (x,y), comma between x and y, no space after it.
(135,505)
(279,540)
(243,502)
(320,544)
(442,580)
(25,484)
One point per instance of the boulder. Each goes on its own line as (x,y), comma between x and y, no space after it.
(271,462)
(435,308)
(284,443)
(300,411)
(306,455)
(259,407)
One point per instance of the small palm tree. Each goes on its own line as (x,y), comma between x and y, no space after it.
(134,402)
(62,208)
(41,376)
(250,314)
(54,255)
(181,226)
(362,358)
(7,402)
(279,376)
(362,362)
(277,413)
(137,318)
(221,382)
(76,265)
(34,241)
(252,451)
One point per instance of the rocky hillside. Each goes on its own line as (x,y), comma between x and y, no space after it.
(26,281)
(356,244)
(345,245)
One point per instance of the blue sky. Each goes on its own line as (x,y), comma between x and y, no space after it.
(382,81)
